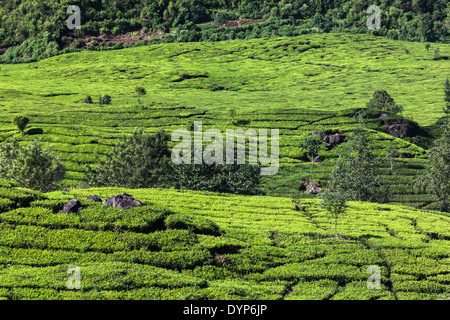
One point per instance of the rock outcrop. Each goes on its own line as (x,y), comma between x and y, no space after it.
(95,198)
(123,201)
(73,206)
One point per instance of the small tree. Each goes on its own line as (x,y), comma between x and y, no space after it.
(392,153)
(312,145)
(335,204)
(106,99)
(234,178)
(355,174)
(140,91)
(88,99)
(136,161)
(21,122)
(381,100)
(437,53)
(221,18)
(30,166)
(447,97)
(436,178)
(232,113)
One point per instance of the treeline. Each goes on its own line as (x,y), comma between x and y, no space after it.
(23,22)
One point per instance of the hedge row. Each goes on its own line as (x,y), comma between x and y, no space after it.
(98,276)
(95,217)
(86,240)
(185,259)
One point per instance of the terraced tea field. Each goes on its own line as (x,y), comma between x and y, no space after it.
(197,245)
(296,85)
(194,245)
(320,72)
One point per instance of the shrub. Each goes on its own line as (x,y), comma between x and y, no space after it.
(54,205)
(30,166)
(140,91)
(335,204)
(5,205)
(138,161)
(195,224)
(20,197)
(88,99)
(106,99)
(435,179)
(227,178)
(381,100)
(447,97)
(21,122)
(312,144)
(355,174)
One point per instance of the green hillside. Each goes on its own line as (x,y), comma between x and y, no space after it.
(32,30)
(193,245)
(297,85)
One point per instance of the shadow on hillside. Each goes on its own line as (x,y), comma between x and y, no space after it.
(35,131)
(367,236)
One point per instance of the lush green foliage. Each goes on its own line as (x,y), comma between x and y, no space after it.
(140,91)
(196,224)
(21,122)
(39,29)
(447,97)
(106,99)
(436,178)
(229,178)
(31,166)
(312,145)
(335,204)
(355,174)
(201,245)
(381,100)
(140,160)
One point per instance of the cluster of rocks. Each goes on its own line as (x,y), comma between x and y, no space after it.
(310,186)
(332,140)
(123,201)
(400,129)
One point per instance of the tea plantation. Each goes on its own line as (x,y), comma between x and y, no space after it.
(198,245)
(194,245)
(297,85)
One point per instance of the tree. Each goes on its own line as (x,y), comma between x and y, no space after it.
(140,91)
(381,100)
(335,204)
(137,161)
(355,173)
(225,178)
(392,153)
(436,180)
(437,53)
(221,18)
(88,99)
(30,166)
(447,97)
(21,122)
(106,99)
(312,145)
(232,113)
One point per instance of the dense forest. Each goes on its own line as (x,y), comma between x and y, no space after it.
(33,30)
